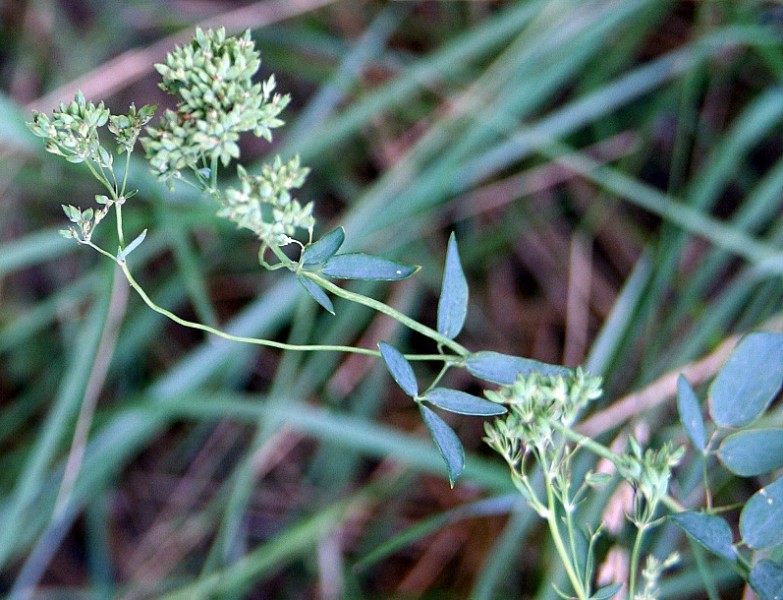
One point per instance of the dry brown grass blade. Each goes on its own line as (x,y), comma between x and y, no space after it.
(664,388)
(132,65)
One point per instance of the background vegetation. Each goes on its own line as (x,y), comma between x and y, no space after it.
(613,172)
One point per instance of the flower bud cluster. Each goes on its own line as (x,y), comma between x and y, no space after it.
(538,404)
(72,131)
(653,569)
(126,128)
(264,204)
(537,400)
(212,78)
(649,473)
(85,220)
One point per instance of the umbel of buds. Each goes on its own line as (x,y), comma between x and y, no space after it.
(217,101)
(212,78)
(264,205)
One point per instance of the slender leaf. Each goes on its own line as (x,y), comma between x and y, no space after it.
(766,579)
(711,531)
(504,369)
(400,369)
(749,380)
(123,253)
(325,248)
(13,132)
(761,520)
(316,292)
(463,403)
(453,303)
(753,452)
(690,414)
(447,442)
(497,505)
(364,266)
(607,592)
(272,556)
(33,249)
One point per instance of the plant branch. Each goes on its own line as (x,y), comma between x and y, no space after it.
(554,530)
(389,311)
(259,341)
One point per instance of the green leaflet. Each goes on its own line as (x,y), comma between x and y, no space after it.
(453,303)
(400,369)
(325,248)
(364,266)
(316,292)
(447,442)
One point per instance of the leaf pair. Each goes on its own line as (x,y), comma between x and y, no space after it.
(321,257)
(760,526)
(454,401)
(740,393)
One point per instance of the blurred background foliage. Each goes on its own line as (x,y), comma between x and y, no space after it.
(613,172)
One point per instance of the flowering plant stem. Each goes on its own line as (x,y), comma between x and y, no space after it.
(569,559)
(537,404)
(603,452)
(271,343)
(391,312)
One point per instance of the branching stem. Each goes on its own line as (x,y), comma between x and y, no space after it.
(389,311)
(554,530)
(259,341)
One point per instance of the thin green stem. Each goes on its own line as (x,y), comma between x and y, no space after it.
(110,184)
(439,376)
(280,255)
(389,311)
(213,173)
(554,530)
(637,547)
(125,174)
(98,249)
(101,179)
(706,477)
(257,341)
(572,539)
(118,214)
(594,447)
(604,452)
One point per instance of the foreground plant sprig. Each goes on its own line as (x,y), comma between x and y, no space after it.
(538,405)
(217,101)
(538,433)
